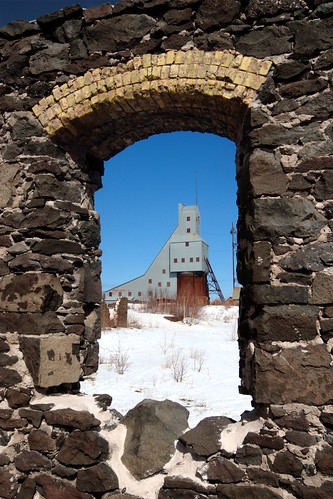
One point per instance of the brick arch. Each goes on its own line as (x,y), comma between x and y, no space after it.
(150,94)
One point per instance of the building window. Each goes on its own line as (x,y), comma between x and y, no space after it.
(110,293)
(159,284)
(150,293)
(139,293)
(183,260)
(191,259)
(187,244)
(150,281)
(163,271)
(129,293)
(120,293)
(188,230)
(197,259)
(175,260)
(188,219)
(168,284)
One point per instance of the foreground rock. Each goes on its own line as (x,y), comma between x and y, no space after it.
(152,429)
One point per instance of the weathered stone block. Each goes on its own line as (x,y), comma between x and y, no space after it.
(83,448)
(70,418)
(273,218)
(279,295)
(97,479)
(50,359)
(299,374)
(41,441)
(286,323)
(216,14)
(322,287)
(30,292)
(222,470)
(204,439)
(231,491)
(30,323)
(271,40)
(52,58)
(266,175)
(287,463)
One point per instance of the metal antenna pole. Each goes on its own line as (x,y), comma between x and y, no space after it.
(233,232)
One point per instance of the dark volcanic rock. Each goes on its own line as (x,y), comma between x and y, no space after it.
(152,428)
(98,478)
(53,488)
(28,461)
(204,439)
(83,448)
(70,418)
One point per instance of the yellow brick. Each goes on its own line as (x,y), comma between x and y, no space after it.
(239,91)
(36,110)
(64,104)
(135,76)
(170,57)
(146,60)
(265,67)
(110,83)
(253,81)
(174,71)
(180,57)
(54,126)
(231,74)
(78,96)
(43,118)
(226,59)
(156,71)
(101,85)
(81,81)
(212,70)
(198,56)
(229,86)
(250,64)
(161,59)
(64,90)
(57,93)
(118,81)
(70,101)
(126,78)
(201,71)
(237,61)
(240,77)
(49,100)
(208,58)
(137,62)
(88,78)
(220,73)
(165,72)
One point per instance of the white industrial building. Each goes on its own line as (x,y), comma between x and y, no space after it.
(182,260)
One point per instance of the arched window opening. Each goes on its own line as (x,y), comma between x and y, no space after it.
(143,187)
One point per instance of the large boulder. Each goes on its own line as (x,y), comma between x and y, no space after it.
(152,429)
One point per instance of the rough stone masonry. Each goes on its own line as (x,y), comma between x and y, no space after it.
(79,85)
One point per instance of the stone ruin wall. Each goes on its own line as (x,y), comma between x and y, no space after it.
(49,232)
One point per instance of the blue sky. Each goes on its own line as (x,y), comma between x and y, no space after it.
(143,185)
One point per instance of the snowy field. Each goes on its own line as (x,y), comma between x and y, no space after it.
(193,363)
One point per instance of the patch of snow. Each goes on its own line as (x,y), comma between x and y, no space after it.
(212,391)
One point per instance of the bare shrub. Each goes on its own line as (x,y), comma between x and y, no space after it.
(233,335)
(117,359)
(167,345)
(198,355)
(120,360)
(177,361)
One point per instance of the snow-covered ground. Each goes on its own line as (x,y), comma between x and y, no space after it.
(202,354)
